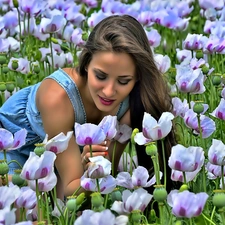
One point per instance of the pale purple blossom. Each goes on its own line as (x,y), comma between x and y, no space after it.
(189,80)
(99,167)
(59,143)
(10,142)
(139,178)
(163,62)
(123,133)
(186,159)
(107,184)
(179,107)
(105,217)
(108,125)
(216,153)
(8,194)
(45,184)
(153,130)
(187,204)
(207,125)
(219,111)
(89,134)
(38,167)
(136,200)
(27,198)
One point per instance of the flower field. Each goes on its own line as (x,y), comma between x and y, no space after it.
(187,38)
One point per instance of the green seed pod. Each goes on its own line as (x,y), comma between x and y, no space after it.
(5,69)
(151,149)
(17,179)
(205,69)
(116,196)
(10,86)
(198,107)
(39,149)
(136,216)
(219,198)
(2,86)
(15,64)
(160,193)
(54,40)
(2,58)
(85,36)
(96,200)
(4,168)
(36,69)
(216,80)
(183,187)
(71,204)
(199,54)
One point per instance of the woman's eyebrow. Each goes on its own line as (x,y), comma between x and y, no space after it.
(121,76)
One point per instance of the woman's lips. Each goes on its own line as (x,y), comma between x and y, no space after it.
(106,101)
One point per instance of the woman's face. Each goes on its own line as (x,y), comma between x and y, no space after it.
(111,77)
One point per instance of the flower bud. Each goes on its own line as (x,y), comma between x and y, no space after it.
(15,64)
(71,204)
(39,149)
(2,86)
(136,216)
(205,69)
(15,3)
(54,40)
(116,196)
(198,107)
(10,87)
(65,47)
(199,54)
(160,193)
(152,216)
(4,168)
(183,187)
(80,199)
(151,149)
(96,200)
(17,179)
(36,69)
(219,198)
(84,36)
(2,58)
(216,80)
(134,132)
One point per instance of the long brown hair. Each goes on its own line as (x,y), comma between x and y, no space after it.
(150,94)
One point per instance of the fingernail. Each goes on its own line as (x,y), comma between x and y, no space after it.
(106,153)
(105,142)
(106,148)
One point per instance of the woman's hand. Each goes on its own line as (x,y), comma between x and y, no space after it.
(97,150)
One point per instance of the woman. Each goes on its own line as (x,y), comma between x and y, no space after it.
(116,75)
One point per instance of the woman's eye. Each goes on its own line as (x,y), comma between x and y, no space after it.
(100,77)
(123,82)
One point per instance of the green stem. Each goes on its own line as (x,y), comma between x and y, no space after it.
(212,215)
(6,175)
(98,186)
(113,159)
(222,177)
(91,150)
(14,161)
(156,169)
(38,201)
(51,48)
(164,162)
(184,176)
(47,207)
